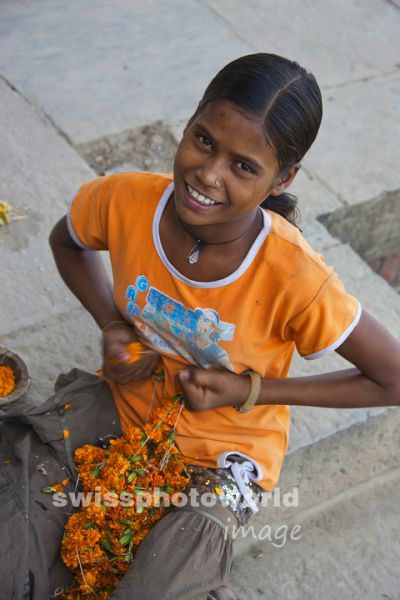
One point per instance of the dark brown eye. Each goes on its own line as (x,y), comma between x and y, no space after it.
(246,168)
(204,140)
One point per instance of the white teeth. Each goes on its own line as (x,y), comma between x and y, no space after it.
(200,198)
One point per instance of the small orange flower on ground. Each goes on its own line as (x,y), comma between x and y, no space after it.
(59,487)
(66,433)
(7,380)
(67,405)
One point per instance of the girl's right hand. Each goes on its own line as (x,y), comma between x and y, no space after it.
(115,340)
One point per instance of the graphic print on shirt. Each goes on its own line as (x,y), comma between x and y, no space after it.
(174,329)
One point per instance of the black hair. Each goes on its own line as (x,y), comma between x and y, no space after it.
(288,100)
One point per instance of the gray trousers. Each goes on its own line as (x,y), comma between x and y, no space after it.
(185,555)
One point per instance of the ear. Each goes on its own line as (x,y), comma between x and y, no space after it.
(284,180)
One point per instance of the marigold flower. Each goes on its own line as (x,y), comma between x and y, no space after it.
(100,541)
(135,351)
(7,380)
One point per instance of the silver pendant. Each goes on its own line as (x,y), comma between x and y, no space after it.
(194,253)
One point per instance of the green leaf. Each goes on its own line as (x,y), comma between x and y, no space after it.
(130,545)
(159,375)
(141,473)
(95,472)
(167,488)
(132,476)
(125,522)
(128,557)
(134,458)
(122,476)
(115,571)
(125,539)
(89,525)
(171,436)
(106,545)
(48,490)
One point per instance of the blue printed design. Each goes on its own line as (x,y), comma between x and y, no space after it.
(174,329)
(131,293)
(142,283)
(133,309)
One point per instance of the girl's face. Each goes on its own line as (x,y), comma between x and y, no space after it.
(224,167)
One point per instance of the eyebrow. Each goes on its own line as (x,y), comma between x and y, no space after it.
(246,159)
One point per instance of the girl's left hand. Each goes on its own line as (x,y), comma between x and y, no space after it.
(204,389)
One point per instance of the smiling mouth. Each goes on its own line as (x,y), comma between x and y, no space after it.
(200,198)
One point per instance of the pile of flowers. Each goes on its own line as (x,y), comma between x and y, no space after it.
(7,380)
(130,477)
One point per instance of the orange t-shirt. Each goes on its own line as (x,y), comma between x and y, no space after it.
(282,296)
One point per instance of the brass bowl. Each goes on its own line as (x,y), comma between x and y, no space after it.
(13,360)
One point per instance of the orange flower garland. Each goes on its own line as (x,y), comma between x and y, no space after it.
(7,380)
(129,478)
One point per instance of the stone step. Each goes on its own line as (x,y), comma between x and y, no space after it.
(342,540)
(347,548)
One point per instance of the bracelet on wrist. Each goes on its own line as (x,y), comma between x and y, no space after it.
(254,392)
(111,324)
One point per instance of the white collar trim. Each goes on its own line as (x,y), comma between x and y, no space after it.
(205,284)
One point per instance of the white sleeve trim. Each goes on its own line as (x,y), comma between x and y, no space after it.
(71,229)
(340,340)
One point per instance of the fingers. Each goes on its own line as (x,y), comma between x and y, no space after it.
(125,372)
(205,389)
(191,377)
(198,388)
(115,341)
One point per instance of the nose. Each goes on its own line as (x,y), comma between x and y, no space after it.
(211,175)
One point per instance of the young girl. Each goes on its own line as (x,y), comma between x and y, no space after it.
(212,274)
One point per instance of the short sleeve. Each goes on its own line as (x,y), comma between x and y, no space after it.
(88,215)
(327,320)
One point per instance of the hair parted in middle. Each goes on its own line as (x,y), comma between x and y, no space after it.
(287,100)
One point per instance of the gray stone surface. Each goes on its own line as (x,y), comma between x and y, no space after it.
(104,68)
(333,465)
(314,197)
(356,152)
(347,551)
(338,41)
(371,228)
(39,173)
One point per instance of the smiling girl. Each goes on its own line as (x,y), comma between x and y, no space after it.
(212,274)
